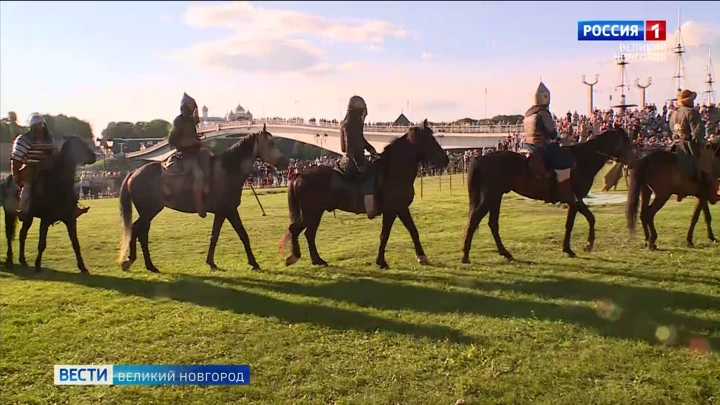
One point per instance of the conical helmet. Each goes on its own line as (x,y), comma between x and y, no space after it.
(356,103)
(542,95)
(188,101)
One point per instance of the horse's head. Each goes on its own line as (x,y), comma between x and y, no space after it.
(615,143)
(267,151)
(77,151)
(427,145)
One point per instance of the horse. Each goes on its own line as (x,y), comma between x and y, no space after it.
(498,173)
(660,173)
(151,188)
(54,200)
(324,188)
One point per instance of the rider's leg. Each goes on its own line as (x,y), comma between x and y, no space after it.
(204,157)
(198,186)
(371,205)
(565,190)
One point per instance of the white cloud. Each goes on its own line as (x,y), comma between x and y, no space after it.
(426,55)
(267,39)
(165,17)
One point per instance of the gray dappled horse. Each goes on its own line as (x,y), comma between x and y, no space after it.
(54,200)
(156,186)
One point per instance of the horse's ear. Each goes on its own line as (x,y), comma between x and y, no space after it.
(264,127)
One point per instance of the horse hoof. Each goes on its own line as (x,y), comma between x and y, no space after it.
(212,265)
(652,247)
(423,260)
(23,264)
(712,240)
(255,267)
(290,260)
(152,269)
(466,260)
(320,262)
(8,264)
(508,257)
(84,271)
(38,268)
(126,265)
(690,244)
(588,248)
(570,253)
(382,265)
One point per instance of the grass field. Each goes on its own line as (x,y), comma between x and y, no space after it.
(619,325)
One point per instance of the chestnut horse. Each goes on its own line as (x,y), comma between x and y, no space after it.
(659,173)
(498,173)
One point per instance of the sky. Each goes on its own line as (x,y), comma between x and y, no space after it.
(132,61)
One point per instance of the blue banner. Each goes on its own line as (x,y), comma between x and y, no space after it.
(611,30)
(224,374)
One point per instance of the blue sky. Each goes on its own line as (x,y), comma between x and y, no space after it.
(112,61)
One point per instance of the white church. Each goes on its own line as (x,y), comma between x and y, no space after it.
(240,114)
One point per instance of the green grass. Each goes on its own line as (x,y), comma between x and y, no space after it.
(535,331)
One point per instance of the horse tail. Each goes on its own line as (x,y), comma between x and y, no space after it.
(475,183)
(10,201)
(637,182)
(126,215)
(295,214)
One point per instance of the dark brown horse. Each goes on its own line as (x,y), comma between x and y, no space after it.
(659,173)
(323,188)
(495,174)
(146,189)
(54,200)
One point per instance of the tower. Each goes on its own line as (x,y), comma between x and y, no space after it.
(204,113)
(709,94)
(679,50)
(622,62)
(642,88)
(591,93)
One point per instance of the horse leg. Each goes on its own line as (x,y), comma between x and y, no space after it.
(143,235)
(237,225)
(708,222)
(407,220)
(645,193)
(42,243)
(585,211)
(27,223)
(310,234)
(132,251)
(388,220)
(569,223)
(494,225)
(71,226)
(693,222)
(478,209)
(653,209)
(295,229)
(218,222)
(10,223)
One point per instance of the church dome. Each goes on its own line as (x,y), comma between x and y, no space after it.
(239,109)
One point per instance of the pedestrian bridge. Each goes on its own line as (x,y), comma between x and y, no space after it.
(326,135)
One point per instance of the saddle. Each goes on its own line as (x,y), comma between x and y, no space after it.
(689,165)
(352,184)
(177,177)
(536,161)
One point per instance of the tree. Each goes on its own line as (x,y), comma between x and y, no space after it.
(142,129)
(64,125)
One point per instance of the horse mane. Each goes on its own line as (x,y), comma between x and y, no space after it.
(395,144)
(241,150)
(596,140)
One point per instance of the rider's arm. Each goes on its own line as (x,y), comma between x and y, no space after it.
(548,124)
(356,148)
(697,127)
(176,132)
(369,147)
(20,148)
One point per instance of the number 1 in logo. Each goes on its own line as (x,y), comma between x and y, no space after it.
(655,30)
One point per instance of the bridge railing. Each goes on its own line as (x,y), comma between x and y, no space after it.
(459,129)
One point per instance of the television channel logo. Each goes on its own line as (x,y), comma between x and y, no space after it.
(630,30)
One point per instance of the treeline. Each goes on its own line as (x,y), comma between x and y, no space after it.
(60,124)
(127,130)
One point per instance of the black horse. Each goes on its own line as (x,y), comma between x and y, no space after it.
(322,188)
(54,200)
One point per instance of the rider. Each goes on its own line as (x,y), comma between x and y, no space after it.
(29,150)
(353,145)
(540,131)
(688,126)
(183,137)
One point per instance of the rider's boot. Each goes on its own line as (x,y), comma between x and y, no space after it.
(565,190)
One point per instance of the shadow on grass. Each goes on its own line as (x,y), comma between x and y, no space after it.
(642,310)
(247,302)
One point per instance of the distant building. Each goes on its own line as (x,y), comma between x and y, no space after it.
(240,114)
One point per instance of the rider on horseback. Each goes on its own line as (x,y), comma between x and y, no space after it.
(184,137)
(687,125)
(31,152)
(541,135)
(353,145)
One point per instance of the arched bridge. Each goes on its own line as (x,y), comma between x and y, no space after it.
(327,135)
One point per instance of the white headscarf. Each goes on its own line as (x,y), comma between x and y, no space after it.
(35,119)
